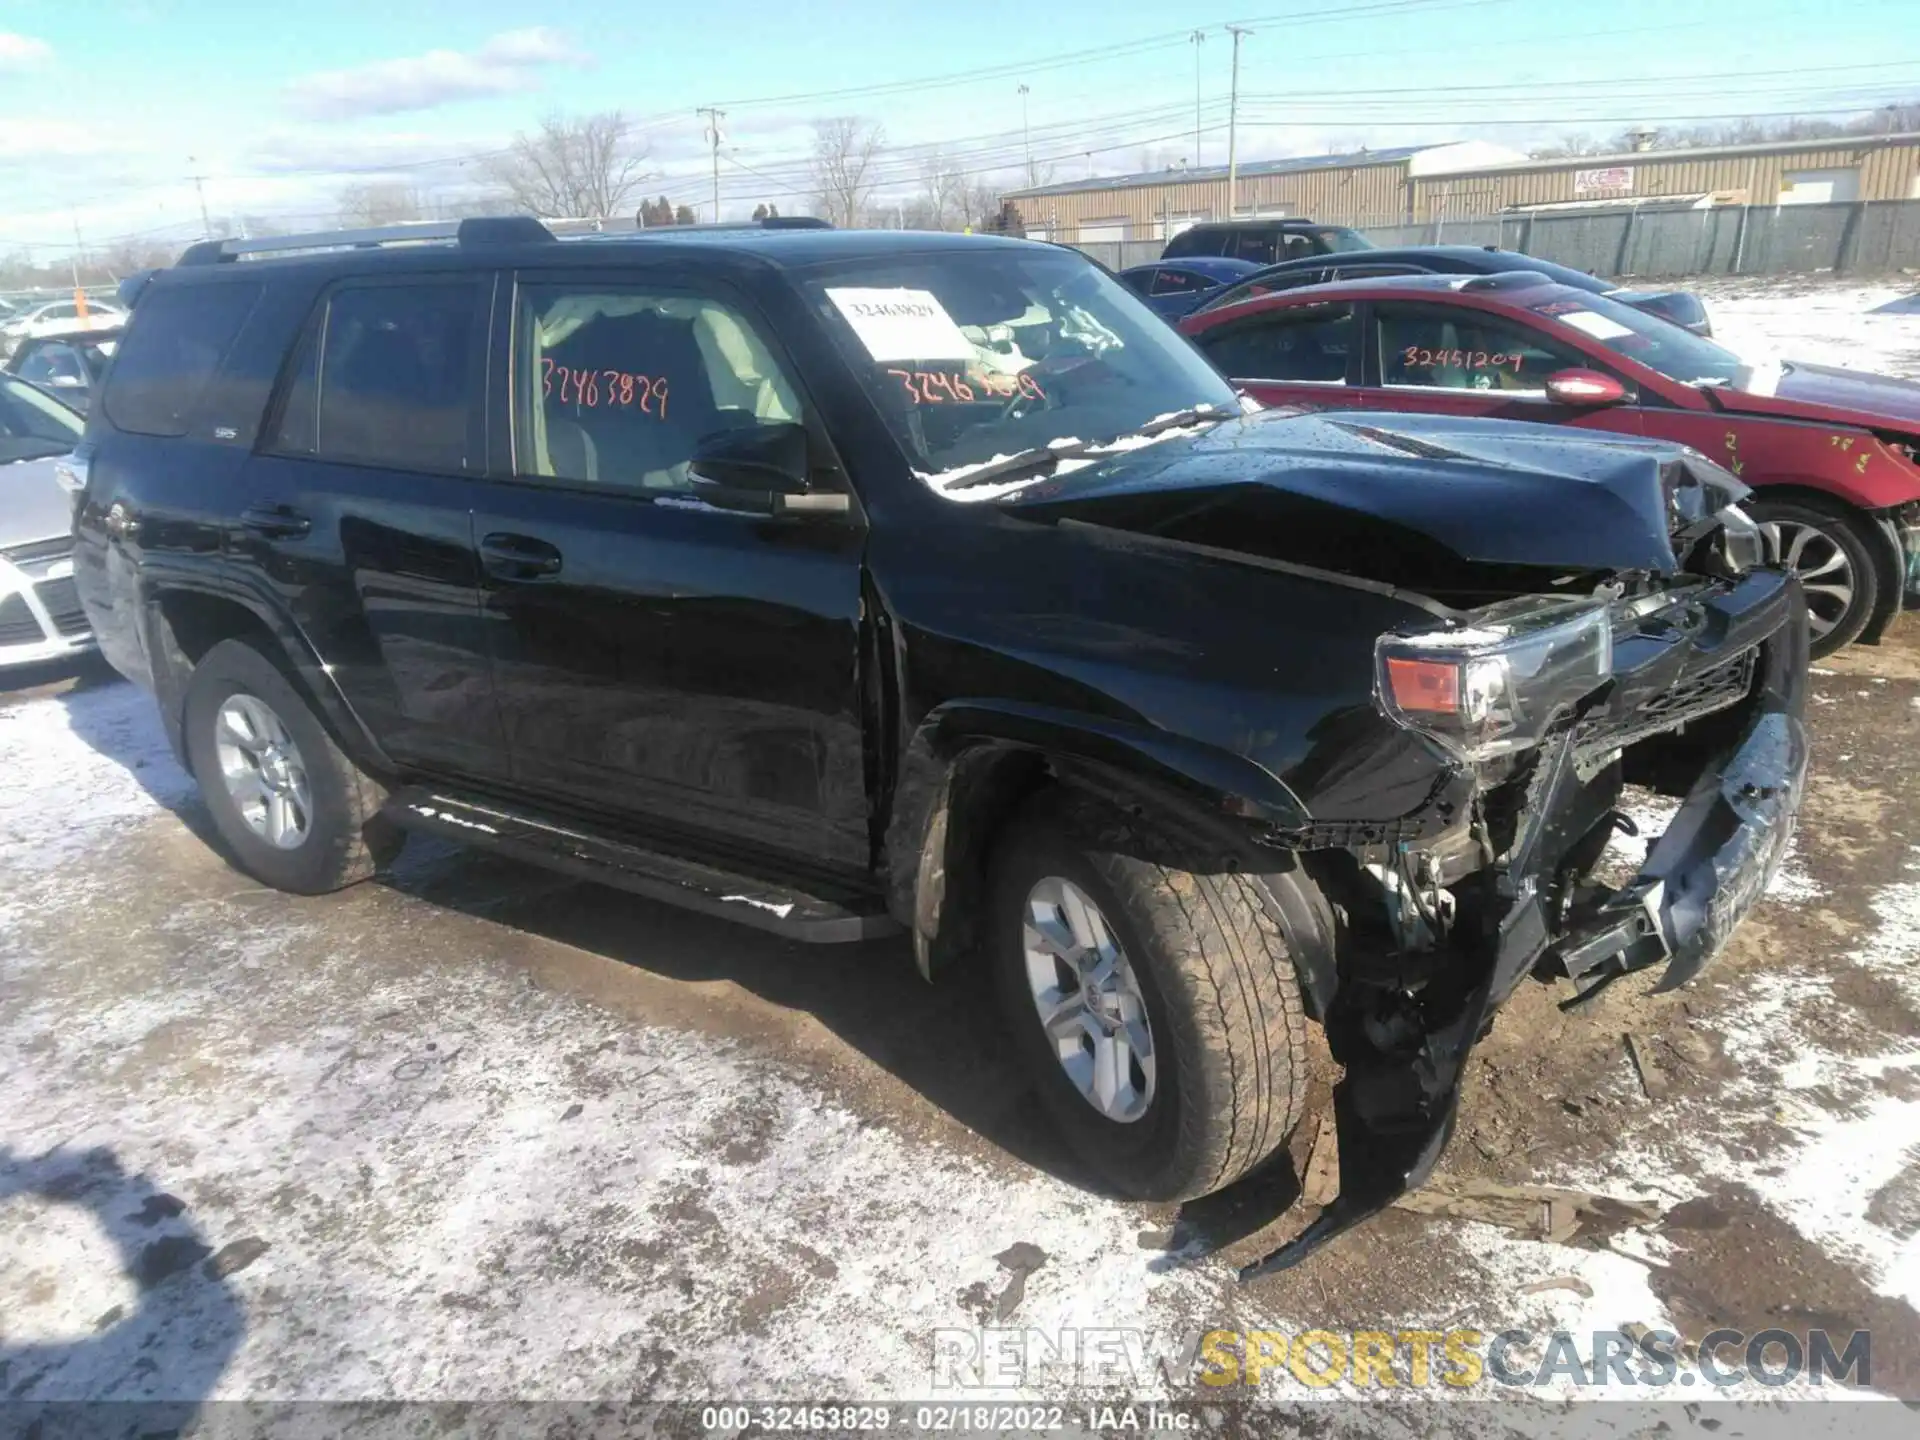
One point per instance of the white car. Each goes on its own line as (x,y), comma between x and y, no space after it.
(40,615)
(58,315)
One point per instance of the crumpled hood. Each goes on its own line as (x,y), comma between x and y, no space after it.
(1490,492)
(32,505)
(1826,392)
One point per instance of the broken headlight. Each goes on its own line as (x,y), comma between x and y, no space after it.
(1496,682)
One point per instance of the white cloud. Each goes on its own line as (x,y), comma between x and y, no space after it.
(504,65)
(22,52)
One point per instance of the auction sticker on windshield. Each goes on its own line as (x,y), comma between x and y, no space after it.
(902,324)
(1598,326)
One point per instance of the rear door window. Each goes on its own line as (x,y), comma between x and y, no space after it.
(1311,344)
(1196,240)
(171,351)
(1259,246)
(388,375)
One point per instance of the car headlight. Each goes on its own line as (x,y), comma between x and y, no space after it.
(1498,681)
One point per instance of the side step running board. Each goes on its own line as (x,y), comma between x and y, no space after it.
(687,883)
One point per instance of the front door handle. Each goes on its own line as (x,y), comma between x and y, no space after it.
(274,522)
(519,557)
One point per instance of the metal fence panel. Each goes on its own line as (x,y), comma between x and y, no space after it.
(1784,239)
(1864,237)
(1119,254)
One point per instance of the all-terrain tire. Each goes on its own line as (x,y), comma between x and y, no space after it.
(1844,533)
(346,838)
(1229,1030)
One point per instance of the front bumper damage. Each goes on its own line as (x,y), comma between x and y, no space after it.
(1394,1114)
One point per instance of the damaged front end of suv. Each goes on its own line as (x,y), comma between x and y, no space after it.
(1547,706)
(1612,626)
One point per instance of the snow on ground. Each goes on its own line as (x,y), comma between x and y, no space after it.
(1822,321)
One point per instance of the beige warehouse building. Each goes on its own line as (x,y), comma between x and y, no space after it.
(1418,184)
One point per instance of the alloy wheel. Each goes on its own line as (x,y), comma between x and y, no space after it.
(1826,574)
(264,771)
(1088,1000)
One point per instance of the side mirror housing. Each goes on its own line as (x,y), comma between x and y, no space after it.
(767,458)
(1585,389)
(759,470)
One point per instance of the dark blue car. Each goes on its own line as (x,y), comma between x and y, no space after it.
(1173,288)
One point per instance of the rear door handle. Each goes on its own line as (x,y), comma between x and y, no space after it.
(519,557)
(274,522)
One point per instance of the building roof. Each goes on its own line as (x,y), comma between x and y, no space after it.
(1293,164)
(1695,152)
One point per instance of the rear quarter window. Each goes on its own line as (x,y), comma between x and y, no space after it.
(176,343)
(1198,240)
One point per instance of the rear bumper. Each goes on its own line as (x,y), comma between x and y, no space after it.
(1395,1112)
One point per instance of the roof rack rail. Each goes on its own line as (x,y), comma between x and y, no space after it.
(480,230)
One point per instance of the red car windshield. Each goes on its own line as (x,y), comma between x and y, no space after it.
(1658,344)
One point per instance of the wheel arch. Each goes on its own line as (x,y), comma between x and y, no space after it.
(971,766)
(181,618)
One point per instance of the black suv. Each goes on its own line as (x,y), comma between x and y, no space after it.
(843,583)
(1265,242)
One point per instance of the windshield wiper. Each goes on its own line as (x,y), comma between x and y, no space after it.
(1045,458)
(1180,419)
(1042,458)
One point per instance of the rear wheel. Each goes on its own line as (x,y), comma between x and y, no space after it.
(1834,558)
(294,811)
(1155,1010)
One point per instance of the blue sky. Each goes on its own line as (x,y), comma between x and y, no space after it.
(106,110)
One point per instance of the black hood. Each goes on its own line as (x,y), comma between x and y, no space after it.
(1352,490)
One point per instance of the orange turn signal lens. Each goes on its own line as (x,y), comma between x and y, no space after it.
(1424,686)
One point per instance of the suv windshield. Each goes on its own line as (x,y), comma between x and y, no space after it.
(1656,343)
(34,425)
(976,356)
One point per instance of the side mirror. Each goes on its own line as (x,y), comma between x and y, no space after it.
(1585,389)
(759,470)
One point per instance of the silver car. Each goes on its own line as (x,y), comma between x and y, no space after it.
(40,614)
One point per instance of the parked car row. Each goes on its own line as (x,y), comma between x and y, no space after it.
(52,316)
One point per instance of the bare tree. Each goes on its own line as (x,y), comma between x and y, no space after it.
(366,206)
(942,202)
(577,166)
(844,152)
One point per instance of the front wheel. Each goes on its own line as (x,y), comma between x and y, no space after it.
(1828,549)
(1156,1010)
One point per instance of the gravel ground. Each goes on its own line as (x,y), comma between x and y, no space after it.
(473,1131)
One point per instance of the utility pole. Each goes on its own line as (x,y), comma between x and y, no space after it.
(713,134)
(79,296)
(1197,37)
(1026,135)
(199,188)
(1233,121)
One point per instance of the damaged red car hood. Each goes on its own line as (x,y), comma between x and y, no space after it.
(1825,392)
(1377,486)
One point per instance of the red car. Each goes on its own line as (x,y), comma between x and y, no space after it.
(1833,455)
